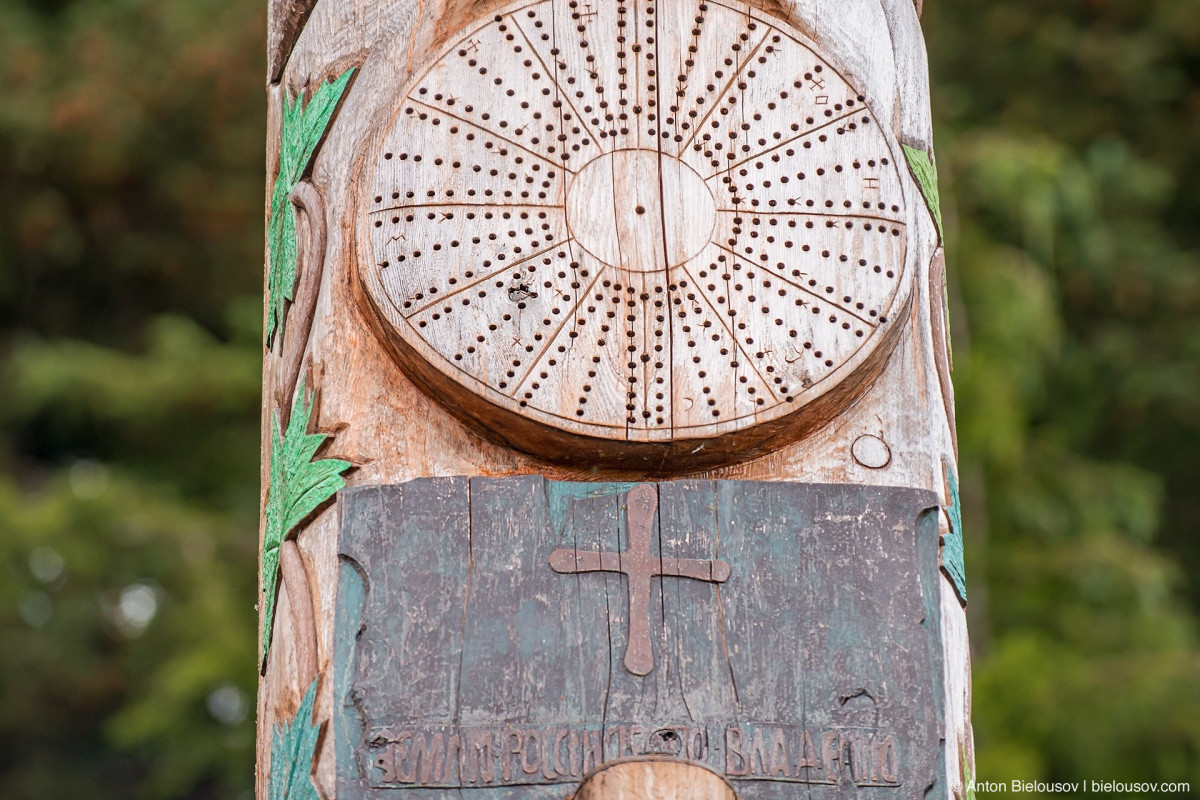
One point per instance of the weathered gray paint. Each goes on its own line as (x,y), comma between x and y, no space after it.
(454,629)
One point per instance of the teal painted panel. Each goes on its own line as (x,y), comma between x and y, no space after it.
(806,659)
(953,556)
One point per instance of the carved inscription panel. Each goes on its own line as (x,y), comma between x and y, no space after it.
(496,633)
(635,221)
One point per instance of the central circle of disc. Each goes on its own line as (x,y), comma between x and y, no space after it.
(640,210)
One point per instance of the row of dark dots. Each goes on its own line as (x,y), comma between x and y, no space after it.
(546,91)
(628,301)
(618,124)
(690,62)
(696,309)
(498,81)
(778,154)
(726,108)
(631,301)
(517,279)
(546,322)
(857,164)
(784,293)
(792,223)
(719,74)
(606,339)
(782,267)
(570,80)
(701,100)
(512,233)
(742,85)
(478,169)
(611,293)
(543,182)
(707,323)
(737,188)
(738,195)
(847,300)
(779,385)
(711,147)
(820,172)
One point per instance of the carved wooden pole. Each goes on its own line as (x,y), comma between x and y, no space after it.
(622,323)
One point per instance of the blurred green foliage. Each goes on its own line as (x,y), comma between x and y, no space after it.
(131,236)
(131,172)
(1070,175)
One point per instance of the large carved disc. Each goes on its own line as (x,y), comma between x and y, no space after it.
(635,233)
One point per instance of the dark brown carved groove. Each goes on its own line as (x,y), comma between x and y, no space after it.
(306,199)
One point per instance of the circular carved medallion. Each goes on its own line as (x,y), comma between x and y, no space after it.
(619,231)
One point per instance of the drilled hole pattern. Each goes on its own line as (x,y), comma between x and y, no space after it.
(637,222)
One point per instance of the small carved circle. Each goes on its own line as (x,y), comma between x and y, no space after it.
(871,451)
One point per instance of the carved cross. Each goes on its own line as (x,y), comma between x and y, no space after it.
(639,566)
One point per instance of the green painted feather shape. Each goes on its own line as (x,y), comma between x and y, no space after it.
(924,170)
(293,745)
(298,486)
(952,543)
(301,130)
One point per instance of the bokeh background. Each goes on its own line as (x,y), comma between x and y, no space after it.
(131,230)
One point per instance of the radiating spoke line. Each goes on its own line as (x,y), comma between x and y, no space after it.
(784,143)
(466,205)
(481,278)
(491,132)
(561,90)
(818,214)
(719,95)
(567,317)
(791,282)
(700,292)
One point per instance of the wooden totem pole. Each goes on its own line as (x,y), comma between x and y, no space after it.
(608,429)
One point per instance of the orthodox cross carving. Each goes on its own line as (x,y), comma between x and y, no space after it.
(639,566)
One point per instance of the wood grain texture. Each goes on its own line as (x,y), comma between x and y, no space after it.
(285,21)
(654,779)
(402,424)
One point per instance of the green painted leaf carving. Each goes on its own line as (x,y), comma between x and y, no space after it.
(952,543)
(298,485)
(924,170)
(301,130)
(293,745)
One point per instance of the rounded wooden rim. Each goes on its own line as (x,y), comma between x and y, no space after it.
(543,434)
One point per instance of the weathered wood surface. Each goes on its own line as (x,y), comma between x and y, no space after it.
(481,665)
(889,423)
